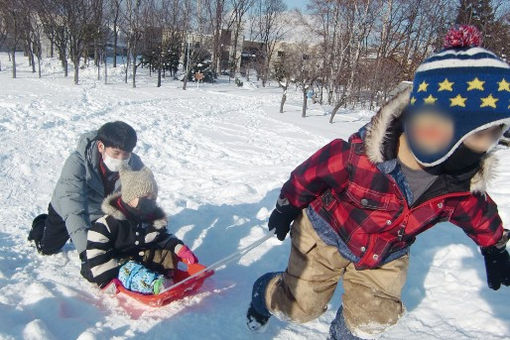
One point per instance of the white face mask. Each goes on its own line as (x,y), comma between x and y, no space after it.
(114,164)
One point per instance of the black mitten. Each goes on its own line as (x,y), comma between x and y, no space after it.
(497,263)
(282,216)
(85,268)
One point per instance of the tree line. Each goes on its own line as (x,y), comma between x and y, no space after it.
(362,49)
(156,33)
(354,52)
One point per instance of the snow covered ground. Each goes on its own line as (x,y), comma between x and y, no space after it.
(220,154)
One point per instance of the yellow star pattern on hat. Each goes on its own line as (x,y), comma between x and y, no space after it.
(504,85)
(489,101)
(413,100)
(430,99)
(458,101)
(475,84)
(445,85)
(423,86)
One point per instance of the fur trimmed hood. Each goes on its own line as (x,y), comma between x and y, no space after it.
(381,124)
(110,209)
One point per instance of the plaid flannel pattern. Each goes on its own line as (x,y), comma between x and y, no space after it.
(368,210)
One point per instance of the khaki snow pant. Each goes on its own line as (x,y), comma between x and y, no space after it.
(160,260)
(372,297)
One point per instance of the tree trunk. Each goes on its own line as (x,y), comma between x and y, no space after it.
(76,71)
(115,40)
(14,63)
(186,71)
(32,60)
(335,110)
(128,58)
(159,76)
(284,98)
(115,50)
(134,70)
(105,69)
(39,66)
(305,102)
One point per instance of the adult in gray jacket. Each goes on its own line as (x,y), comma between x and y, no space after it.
(89,174)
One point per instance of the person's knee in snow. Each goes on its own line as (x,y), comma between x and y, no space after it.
(302,292)
(366,311)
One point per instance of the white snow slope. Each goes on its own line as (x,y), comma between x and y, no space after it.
(220,155)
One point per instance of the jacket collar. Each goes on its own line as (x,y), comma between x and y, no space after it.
(109,207)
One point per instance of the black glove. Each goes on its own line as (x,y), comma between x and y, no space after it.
(282,216)
(497,263)
(85,268)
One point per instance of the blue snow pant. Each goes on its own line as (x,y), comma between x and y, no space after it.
(371,301)
(138,278)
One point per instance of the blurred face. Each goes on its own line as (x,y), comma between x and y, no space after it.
(431,131)
(134,203)
(482,140)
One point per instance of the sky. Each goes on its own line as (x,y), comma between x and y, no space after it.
(301,4)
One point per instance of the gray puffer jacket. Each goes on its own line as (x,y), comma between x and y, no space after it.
(80,191)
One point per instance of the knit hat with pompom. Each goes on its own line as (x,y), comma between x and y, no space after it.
(465,83)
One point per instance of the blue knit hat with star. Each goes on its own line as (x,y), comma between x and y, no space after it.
(468,84)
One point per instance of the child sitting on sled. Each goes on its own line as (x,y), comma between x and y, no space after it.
(131,242)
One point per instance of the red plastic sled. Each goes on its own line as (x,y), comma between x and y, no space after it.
(186,289)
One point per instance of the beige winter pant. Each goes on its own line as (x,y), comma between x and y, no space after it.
(160,260)
(371,299)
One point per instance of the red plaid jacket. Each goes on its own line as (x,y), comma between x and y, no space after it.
(368,210)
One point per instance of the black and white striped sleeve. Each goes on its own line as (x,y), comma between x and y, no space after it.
(100,253)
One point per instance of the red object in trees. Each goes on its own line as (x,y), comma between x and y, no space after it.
(462,36)
(167,297)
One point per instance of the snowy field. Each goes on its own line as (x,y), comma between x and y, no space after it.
(220,154)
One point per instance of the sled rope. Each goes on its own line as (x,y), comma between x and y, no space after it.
(224,260)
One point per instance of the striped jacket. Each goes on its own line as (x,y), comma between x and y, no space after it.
(114,237)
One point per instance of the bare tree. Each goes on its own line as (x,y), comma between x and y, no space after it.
(306,72)
(169,16)
(134,19)
(13,17)
(115,11)
(3,32)
(368,46)
(33,35)
(215,15)
(283,72)
(270,28)
(187,27)
(239,8)
(77,16)
(51,13)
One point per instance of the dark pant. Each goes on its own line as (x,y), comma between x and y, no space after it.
(49,233)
